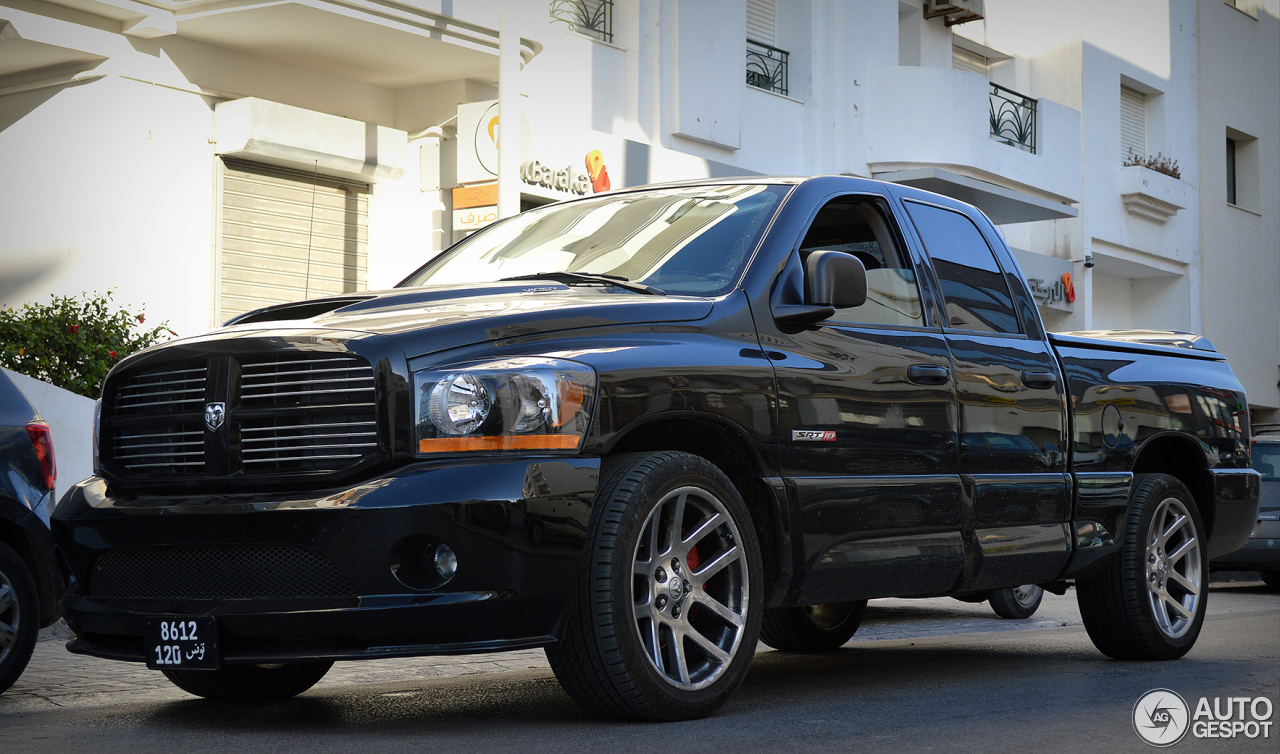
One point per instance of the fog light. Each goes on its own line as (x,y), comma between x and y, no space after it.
(446,562)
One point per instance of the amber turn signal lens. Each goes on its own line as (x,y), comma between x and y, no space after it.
(498,442)
(572,393)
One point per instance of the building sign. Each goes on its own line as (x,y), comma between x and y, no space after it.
(483,195)
(1049,279)
(558,166)
(475,218)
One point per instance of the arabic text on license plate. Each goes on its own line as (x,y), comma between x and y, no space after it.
(182,643)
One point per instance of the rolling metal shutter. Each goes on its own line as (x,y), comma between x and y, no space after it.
(1133,123)
(275,251)
(964,60)
(762,21)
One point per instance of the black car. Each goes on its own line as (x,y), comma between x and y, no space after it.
(29,583)
(642,430)
(1262,552)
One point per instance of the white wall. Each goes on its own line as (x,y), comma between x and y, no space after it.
(1240,304)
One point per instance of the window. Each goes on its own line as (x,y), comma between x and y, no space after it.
(858,227)
(1133,123)
(1231,170)
(1242,171)
(592,18)
(766,64)
(976,293)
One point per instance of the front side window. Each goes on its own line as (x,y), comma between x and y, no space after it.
(691,240)
(975,290)
(858,227)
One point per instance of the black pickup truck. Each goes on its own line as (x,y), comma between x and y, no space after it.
(643,430)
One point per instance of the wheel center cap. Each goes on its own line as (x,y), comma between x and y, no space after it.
(677,590)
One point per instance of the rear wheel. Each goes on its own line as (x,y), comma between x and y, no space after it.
(812,628)
(1271,578)
(19,616)
(1017,602)
(667,611)
(250,683)
(1150,605)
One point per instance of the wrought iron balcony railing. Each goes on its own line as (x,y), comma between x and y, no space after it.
(766,67)
(1013,118)
(593,18)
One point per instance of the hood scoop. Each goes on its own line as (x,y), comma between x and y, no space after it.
(298,310)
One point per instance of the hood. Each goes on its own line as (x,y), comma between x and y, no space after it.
(435,318)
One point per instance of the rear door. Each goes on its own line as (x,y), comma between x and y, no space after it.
(1013,433)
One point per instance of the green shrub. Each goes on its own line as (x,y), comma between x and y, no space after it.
(73,342)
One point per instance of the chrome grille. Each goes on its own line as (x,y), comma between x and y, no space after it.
(290,380)
(175,387)
(215,572)
(285,412)
(178,448)
(322,442)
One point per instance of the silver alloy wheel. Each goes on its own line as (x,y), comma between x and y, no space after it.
(1174,571)
(690,587)
(10,616)
(1027,594)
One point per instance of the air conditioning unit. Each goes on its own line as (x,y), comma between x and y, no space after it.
(955,11)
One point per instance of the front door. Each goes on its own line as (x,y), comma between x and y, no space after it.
(868,424)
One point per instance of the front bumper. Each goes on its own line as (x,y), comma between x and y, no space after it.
(517,528)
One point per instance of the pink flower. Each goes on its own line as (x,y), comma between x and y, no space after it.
(74,329)
(142,318)
(113,354)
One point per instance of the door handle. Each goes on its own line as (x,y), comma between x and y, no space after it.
(1038,379)
(928,374)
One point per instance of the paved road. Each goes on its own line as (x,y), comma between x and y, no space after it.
(921,675)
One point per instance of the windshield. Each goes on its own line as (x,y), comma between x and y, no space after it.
(689,241)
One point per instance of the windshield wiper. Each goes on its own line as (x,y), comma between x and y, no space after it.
(583,277)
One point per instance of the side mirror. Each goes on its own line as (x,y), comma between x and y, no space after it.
(835,279)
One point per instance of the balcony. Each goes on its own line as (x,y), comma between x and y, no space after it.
(956,133)
(1013,118)
(767,67)
(591,18)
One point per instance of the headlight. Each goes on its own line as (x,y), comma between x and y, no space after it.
(511,404)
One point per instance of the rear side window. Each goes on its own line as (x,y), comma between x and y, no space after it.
(858,227)
(975,290)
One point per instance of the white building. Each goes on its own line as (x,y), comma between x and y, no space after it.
(205,157)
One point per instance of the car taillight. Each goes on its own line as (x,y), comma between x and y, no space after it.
(42,441)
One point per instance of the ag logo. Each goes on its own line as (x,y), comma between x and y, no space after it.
(1161,717)
(214,415)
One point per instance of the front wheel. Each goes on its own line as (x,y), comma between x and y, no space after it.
(1150,605)
(250,683)
(1016,603)
(667,612)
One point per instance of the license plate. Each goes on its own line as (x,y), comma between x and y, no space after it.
(182,643)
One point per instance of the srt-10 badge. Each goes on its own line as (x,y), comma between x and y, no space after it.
(812,435)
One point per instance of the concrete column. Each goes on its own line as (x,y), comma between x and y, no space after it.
(509,110)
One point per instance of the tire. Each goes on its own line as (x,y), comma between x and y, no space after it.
(19,616)
(1150,605)
(1016,603)
(663,625)
(250,683)
(1271,578)
(812,628)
